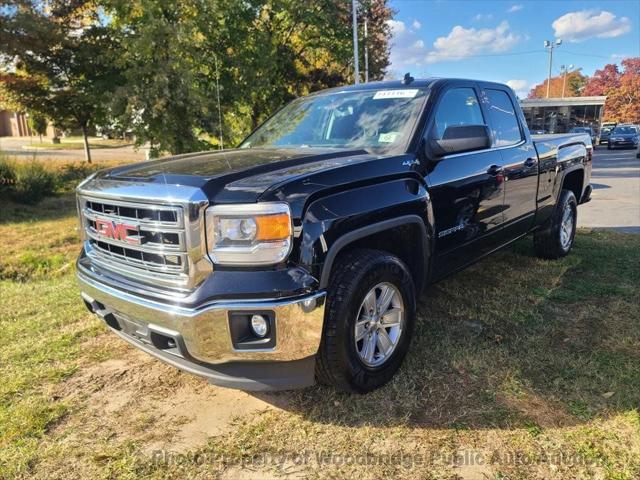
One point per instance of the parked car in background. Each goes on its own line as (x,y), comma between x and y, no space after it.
(589,131)
(302,254)
(624,136)
(605,132)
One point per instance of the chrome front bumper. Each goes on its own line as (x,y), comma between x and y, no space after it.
(199,340)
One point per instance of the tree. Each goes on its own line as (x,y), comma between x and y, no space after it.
(573,86)
(260,53)
(603,80)
(38,123)
(57,61)
(377,13)
(622,89)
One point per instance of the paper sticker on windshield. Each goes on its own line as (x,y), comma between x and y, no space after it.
(389,137)
(404,93)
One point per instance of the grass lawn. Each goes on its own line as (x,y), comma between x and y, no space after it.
(523,368)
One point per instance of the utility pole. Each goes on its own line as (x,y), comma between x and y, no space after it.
(550,45)
(356,66)
(366,50)
(565,69)
(220,143)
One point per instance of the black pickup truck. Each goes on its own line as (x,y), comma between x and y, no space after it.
(299,256)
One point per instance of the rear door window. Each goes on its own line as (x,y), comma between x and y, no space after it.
(504,121)
(459,106)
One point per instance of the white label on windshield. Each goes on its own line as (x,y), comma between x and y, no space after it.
(404,93)
(389,137)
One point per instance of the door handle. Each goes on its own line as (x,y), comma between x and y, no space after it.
(495,170)
(530,162)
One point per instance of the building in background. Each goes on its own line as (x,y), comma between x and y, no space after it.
(559,115)
(13,124)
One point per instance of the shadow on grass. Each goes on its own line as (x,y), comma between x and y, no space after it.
(512,342)
(62,205)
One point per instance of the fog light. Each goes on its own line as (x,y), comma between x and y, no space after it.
(259,325)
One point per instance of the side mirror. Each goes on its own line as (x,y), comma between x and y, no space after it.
(461,138)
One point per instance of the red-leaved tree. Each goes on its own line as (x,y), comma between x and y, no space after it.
(622,88)
(570,85)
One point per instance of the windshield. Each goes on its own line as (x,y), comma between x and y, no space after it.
(623,130)
(580,130)
(373,119)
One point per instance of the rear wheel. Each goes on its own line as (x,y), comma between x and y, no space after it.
(556,239)
(368,322)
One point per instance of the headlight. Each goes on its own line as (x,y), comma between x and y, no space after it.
(249,234)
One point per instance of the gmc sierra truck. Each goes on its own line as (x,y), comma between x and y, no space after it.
(299,256)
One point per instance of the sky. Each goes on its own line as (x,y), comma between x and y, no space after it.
(503,41)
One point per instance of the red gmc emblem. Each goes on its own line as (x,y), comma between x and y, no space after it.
(118,231)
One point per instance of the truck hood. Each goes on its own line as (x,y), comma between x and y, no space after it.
(240,175)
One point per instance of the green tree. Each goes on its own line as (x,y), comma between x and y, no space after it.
(38,123)
(256,54)
(164,97)
(57,61)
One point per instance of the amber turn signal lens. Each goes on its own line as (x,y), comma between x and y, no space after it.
(273,227)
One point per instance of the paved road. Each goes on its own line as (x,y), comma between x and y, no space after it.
(615,201)
(13,146)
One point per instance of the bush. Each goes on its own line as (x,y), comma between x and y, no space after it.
(31,181)
(74,172)
(7,177)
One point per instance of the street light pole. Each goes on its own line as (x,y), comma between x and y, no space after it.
(220,142)
(366,51)
(550,45)
(356,66)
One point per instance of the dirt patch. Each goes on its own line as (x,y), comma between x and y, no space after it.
(544,412)
(137,397)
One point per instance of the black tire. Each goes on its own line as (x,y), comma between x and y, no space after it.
(608,146)
(356,274)
(548,241)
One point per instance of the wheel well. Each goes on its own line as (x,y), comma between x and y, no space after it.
(574,181)
(404,241)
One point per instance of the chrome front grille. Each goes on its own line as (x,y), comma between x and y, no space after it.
(146,242)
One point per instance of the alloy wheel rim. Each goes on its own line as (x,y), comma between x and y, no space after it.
(379,325)
(566,227)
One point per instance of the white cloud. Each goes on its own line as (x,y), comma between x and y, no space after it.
(416,25)
(407,49)
(482,17)
(579,26)
(515,8)
(410,53)
(397,27)
(464,42)
(517,84)
(619,56)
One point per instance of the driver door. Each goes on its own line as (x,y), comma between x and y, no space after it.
(467,189)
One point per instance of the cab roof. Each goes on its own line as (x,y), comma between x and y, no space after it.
(400,84)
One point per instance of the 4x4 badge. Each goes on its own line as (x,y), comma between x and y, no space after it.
(408,163)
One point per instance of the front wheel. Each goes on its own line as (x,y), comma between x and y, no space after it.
(369,321)
(557,238)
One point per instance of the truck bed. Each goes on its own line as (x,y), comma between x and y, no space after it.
(558,140)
